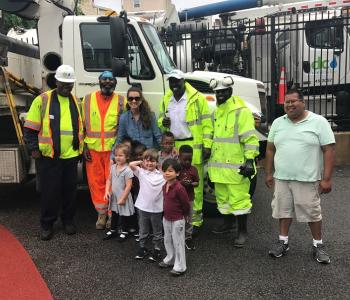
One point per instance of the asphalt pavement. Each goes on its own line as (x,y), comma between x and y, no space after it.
(85,267)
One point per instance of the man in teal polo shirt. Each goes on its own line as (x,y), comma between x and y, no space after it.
(299,164)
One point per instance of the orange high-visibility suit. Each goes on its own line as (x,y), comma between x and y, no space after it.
(100,115)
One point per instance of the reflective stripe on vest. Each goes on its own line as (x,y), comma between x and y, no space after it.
(224,165)
(205,116)
(208,136)
(33,125)
(246,134)
(195,122)
(251,147)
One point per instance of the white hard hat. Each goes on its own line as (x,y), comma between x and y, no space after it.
(65,73)
(220,84)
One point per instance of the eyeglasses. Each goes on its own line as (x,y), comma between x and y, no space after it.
(130,99)
(291,101)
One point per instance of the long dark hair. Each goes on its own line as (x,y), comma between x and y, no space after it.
(145,110)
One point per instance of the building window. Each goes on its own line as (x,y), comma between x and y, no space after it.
(137,3)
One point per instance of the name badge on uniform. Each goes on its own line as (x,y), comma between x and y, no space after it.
(52,117)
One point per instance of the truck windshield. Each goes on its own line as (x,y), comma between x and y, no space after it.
(326,34)
(158,48)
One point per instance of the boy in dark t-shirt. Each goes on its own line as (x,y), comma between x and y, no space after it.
(189,178)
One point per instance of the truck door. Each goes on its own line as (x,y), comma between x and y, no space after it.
(324,50)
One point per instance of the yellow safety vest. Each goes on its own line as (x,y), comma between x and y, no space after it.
(39,119)
(101,135)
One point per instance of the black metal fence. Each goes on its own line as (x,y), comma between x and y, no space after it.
(309,50)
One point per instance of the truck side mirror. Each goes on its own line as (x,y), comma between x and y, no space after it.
(119,42)
(306,66)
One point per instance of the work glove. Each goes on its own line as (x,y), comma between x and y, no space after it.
(206,153)
(166,122)
(36,154)
(247,169)
(86,154)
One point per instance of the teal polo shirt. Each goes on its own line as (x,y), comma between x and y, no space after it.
(298,147)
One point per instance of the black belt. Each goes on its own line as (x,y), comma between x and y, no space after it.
(184,140)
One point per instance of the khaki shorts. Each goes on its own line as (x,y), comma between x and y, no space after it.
(295,199)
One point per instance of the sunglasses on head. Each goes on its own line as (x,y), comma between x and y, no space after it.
(134,98)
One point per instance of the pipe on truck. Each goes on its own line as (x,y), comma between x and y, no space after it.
(226,6)
(19,47)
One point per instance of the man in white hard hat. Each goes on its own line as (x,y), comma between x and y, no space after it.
(231,164)
(53,132)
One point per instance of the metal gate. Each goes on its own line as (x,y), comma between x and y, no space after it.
(309,50)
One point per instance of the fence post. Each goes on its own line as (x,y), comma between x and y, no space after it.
(174,41)
(274,84)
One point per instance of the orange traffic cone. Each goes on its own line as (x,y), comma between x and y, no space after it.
(282,87)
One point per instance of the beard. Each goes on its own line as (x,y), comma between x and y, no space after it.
(107,91)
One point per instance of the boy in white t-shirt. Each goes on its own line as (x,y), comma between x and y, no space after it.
(149,202)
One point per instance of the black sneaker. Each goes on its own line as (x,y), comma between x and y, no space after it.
(141,253)
(46,234)
(155,255)
(163,265)
(110,234)
(132,231)
(122,236)
(279,249)
(176,273)
(196,231)
(320,255)
(189,244)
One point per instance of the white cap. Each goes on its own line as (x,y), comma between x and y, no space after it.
(221,84)
(178,74)
(65,73)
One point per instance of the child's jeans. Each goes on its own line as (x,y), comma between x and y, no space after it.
(155,219)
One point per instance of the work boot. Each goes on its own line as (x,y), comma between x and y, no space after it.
(228,225)
(70,228)
(101,221)
(240,241)
(46,234)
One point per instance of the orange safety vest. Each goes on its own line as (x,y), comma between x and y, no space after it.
(100,135)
